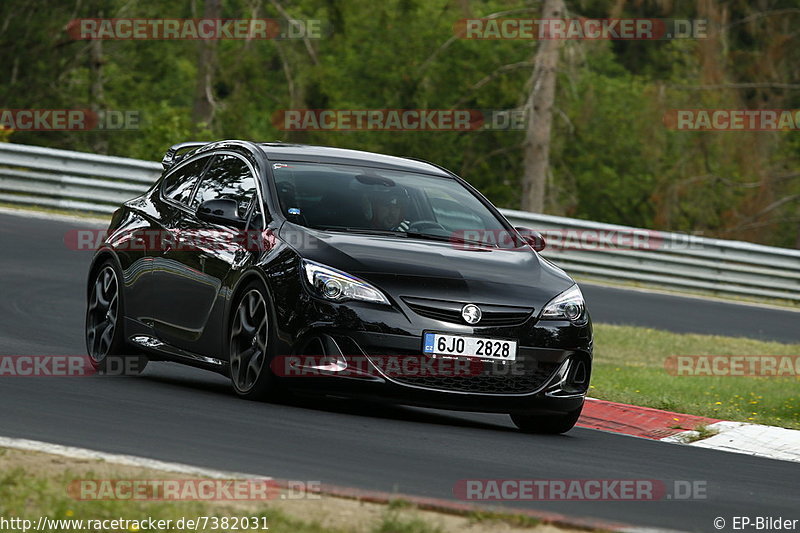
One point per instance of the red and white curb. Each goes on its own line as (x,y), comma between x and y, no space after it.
(750,439)
(738,437)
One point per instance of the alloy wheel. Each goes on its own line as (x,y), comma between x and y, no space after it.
(102,314)
(248,344)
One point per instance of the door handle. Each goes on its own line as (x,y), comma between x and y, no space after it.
(168,241)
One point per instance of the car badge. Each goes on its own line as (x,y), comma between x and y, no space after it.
(471,314)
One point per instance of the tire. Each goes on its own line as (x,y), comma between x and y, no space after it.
(104,329)
(250,343)
(547,424)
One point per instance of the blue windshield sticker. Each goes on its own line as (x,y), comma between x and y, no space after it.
(294,211)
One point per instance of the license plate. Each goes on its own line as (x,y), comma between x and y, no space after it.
(459,345)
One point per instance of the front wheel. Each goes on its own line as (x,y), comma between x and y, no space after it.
(249,345)
(547,424)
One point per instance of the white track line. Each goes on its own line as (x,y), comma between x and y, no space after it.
(119,459)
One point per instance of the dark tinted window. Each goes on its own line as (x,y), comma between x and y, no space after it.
(227,177)
(342,196)
(180,184)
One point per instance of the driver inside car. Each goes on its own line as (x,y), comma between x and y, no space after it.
(388,210)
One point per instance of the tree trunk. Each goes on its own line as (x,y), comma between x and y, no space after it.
(99,141)
(203,108)
(539,109)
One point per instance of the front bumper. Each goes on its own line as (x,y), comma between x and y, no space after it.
(551,374)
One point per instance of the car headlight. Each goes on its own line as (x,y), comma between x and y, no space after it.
(337,286)
(569,305)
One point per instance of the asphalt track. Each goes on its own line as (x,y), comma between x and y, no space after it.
(174,413)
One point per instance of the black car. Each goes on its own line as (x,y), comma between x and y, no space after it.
(385,278)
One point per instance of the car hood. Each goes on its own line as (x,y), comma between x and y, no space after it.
(432,269)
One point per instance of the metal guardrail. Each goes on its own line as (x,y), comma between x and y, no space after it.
(674,260)
(37,176)
(64,179)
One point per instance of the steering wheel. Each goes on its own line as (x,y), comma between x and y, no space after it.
(425,224)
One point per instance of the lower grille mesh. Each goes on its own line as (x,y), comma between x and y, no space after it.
(521,377)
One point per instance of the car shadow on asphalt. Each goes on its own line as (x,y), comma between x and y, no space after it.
(174,374)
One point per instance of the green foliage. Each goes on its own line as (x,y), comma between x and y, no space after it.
(612,158)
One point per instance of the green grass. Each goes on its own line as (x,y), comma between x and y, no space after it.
(27,495)
(489,518)
(393,522)
(629,367)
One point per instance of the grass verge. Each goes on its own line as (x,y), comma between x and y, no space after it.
(629,367)
(34,485)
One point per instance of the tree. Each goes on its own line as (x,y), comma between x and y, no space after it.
(203,108)
(539,113)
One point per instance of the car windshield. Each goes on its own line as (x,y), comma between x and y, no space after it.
(368,200)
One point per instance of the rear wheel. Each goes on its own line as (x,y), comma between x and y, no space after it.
(105,341)
(249,345)
(547,424)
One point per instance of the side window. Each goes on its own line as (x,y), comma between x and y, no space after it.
(227,177)
(179,185)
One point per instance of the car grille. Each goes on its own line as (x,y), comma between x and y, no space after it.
(521,377)
(492,315)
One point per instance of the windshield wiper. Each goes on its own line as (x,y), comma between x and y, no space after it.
(447,238)
(361,231)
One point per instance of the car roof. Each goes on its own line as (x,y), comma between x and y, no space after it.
(278,151)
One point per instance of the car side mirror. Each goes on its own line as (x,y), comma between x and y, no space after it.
(533,238)
(221,211)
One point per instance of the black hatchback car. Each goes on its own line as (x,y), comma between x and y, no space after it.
(385,278)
